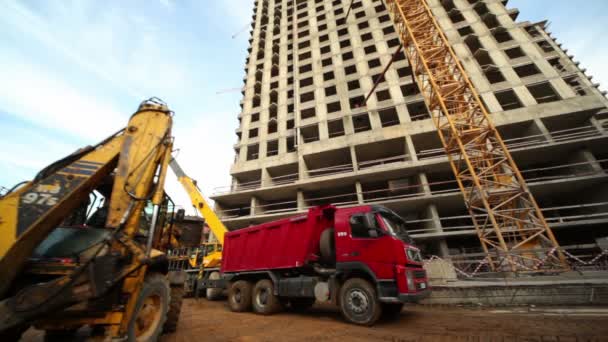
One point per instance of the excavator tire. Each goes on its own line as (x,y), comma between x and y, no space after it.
(327,246)
(239,296)
(213,293)
(13,334)
(175,308)
(151,309)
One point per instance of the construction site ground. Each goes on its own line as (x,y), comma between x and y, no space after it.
(202,320)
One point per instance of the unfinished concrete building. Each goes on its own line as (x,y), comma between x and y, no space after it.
(304,137)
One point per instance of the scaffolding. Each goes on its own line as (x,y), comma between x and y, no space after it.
(508,221)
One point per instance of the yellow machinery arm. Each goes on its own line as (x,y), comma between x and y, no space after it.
(198,201)
(133,164)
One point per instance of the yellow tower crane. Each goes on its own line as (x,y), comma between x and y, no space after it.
(509,223)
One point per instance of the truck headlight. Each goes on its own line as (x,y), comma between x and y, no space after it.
(409,276)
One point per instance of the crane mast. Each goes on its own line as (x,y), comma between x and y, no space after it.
(508,221)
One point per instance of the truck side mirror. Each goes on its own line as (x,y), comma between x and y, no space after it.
(180,215)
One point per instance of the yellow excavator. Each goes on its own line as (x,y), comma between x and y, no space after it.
(66,263)
(212,250)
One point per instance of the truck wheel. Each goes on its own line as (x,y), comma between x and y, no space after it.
(239,296)
(213,293)
(151,309)
(175,308)
(391,310)
(264,300)
(301,304)
(327,246)
(359,303)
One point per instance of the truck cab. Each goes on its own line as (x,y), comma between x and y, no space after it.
(372,241)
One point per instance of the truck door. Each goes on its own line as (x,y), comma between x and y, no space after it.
(368,246)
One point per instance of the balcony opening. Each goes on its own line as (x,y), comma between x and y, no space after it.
(253,133)
(490,20)
(389,117)
(272,126)
(273,203)
(335,128)
(273,110)
(481,8)
(253,151)
(557,65)
(455,16)
(571,127)
(283,174)
(526,70)
(577,86)
(291,144)
(501,35)
(356,102)
(307,96)
(545,46)
(543,92)
(352,85)
(418,111)
(274,96)
(255,117)
(381,153)
(290,124)
(410,89)
(329,162)
(272,148)
(374,191)
(493,74)
(307,113)
(428,146)
(383,95)
(521,134)
(465,31)
(306,82)
(333,107)
(508,100)
(361,123)
(515,52)
(473,43)
(310,133)
(344,195)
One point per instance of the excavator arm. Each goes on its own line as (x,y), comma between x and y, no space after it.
(198,201)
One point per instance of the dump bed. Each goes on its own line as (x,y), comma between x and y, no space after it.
(282,244)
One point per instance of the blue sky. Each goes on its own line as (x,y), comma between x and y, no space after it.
(73,72)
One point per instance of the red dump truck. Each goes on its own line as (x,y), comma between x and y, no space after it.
(359,258)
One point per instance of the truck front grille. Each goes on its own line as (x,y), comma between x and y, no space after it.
(421,274)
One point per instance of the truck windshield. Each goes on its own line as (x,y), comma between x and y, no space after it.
(395,226)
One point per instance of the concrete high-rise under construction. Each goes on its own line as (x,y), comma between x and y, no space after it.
(305,138)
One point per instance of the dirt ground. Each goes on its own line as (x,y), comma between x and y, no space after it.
(212,321)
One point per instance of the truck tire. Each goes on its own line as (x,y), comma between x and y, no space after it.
(391,310)
(327,246)
(175,308)
(213,293)
(151,309)
(301,304)
(264,301)
(359,303)
(239,296)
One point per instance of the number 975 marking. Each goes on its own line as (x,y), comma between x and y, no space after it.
(39,198)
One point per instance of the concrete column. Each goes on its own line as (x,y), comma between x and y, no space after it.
(234,184)
(424,183)
(302,169)
(353,157)
(597,124)
(359,190)
(543,129)
(435,224)
(585,156)
(254,206)
(301,203)
(411,150)
(266,180)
